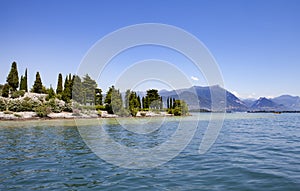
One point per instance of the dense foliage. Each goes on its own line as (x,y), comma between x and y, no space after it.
(13,77)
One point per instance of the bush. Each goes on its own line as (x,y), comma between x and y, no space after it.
(29,104)
(17,94)
(14,105)
(68,107)
(100,107)
(3,104)
(56,105)
(43,110)
(134,111)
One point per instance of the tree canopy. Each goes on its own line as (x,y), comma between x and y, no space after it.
(13,77)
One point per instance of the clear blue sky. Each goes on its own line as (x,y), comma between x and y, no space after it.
(256,43)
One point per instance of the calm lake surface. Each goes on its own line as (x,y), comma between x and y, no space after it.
(252,152)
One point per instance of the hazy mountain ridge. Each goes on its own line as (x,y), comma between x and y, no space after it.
(198,97)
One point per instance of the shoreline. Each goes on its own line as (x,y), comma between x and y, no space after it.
(31,116)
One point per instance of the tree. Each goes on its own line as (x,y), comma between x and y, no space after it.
(38,85)
(50,92)
(13,77)
(26,81)
(139,100)
(67,94)
(143,103)
(134,104)
(5,90)
(23,82)
(127,94)
(152,99)
(168,103)
(77,92)
(59,88)
(89,86)
(98,96)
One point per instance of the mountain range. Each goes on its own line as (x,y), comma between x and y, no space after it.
(198,97)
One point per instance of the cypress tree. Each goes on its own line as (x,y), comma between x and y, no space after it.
(66,95)
(21,83)
(25,81)
(13,77)
(143,102)
(174,103)
(139,101)
(161,103)
(167,102)
(38,85)
(59,88)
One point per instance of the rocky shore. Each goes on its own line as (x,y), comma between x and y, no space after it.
(68,115)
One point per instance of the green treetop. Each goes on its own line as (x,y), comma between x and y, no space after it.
(13,77)
(59,88)
(38,85)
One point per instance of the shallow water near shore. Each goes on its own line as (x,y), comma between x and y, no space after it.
(252,152)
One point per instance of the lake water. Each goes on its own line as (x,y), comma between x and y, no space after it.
(252,152)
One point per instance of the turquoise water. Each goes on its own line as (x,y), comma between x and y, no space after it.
(252,152)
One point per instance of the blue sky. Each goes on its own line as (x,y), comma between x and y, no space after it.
(255,43)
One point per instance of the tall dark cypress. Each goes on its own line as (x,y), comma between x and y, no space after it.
(59,88)
(38,85)
(13,77)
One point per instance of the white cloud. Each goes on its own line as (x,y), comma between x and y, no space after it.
(194,78)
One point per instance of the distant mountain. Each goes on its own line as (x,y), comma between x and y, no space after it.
(291,102)
(248,102)
(198,97)
(264,104)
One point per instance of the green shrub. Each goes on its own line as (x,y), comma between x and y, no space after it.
(43,110)
(28,104)
(100,107)
(3,104)
(14,105)
(17,94)
(55,106)
(68,107)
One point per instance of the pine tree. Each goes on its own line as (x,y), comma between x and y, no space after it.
(98,96)
(77,93)
(127,94)
(59,88)
(89,86)
(38,85)
(51,93)
(5,90)
(13,77)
